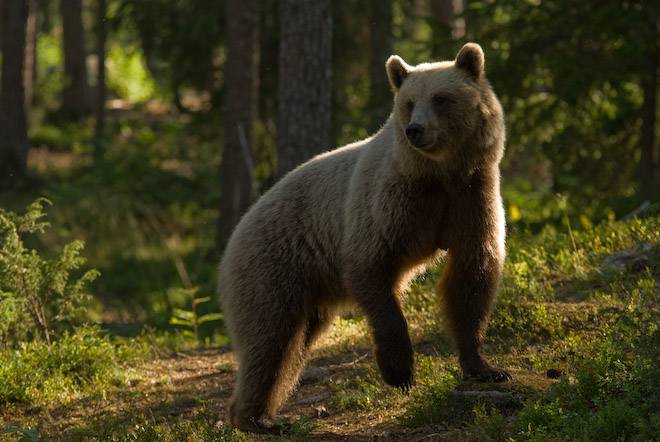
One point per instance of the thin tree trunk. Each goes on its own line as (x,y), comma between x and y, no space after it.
(380,96)
(444,12)
(99,112)
(13,124)
(305,82)
(649,107)
(241,87)
(76,96)
(31,33)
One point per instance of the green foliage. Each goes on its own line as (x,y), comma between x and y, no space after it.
(298,430)
(150,203)
(430,397)
(614,396)
(22,434)
(202,426)
(362,390)
(178,33)
(611,344)
(50,75)
(652,211)
(190,318)
(37,294)
(128,75)
(79,363)
(573,108)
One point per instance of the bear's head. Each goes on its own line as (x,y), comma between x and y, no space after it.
(447,111)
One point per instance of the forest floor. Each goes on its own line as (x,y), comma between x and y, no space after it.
(177,386)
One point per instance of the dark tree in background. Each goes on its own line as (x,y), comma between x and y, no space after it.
(241,90)
(76,96)
(305,82)
(380,96)
(99,105)
(648,162)
(445,26)
(13,125)
(31,32)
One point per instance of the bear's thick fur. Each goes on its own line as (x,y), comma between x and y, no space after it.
(355,224)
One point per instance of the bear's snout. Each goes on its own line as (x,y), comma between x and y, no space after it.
(414,132)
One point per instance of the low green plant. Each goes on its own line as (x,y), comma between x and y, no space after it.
(430,397)
(363,389)
(202,426)
(298,430)
(22,434)
(80,363)
(190,318)
(614,395)
(37,295)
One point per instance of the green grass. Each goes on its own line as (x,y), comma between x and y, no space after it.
(79,364)
(559,309)
(202,426)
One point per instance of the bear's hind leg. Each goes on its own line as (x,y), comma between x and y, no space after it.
(317,323)
(268,371)
(293,361)
(267,374)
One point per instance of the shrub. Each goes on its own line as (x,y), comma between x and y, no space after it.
(36,294)
(81,362)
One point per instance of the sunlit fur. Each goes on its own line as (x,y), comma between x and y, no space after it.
(354,224)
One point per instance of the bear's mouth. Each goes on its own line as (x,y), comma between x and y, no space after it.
(422,146)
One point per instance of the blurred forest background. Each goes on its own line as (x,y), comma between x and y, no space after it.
(151,125)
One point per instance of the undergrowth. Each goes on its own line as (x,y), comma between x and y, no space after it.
(561,307)
(80,363)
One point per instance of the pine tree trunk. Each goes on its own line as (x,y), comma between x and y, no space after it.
(380,96)
(31,33)
(449,27)
(13,124)
(99,111)
(305,82)
(649,107)
(241,88)
(76,96)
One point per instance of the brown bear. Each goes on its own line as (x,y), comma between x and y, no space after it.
(355,224)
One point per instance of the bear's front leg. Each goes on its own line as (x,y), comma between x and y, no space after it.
(394,352)
(468,288)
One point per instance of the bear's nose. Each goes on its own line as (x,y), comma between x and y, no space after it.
(414,133)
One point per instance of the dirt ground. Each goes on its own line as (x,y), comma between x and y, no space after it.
(176,386)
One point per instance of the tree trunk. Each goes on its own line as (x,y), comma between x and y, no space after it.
(99,111)
(13,125)
(650,90)
(76,96)
(31,33)
(380,96)
(241,86)
(449,27)
(305,82)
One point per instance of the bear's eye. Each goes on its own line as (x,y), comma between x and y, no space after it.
(439,100)
(410,105)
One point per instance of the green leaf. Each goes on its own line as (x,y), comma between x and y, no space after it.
(27,434)
(209,317)
(177,321)
(197,301)
(185,315)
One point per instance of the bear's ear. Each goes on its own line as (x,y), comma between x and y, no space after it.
(471,59)
(397,71)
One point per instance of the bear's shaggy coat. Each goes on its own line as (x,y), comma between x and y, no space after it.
(355,224)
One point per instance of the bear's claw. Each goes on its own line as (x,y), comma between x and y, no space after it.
(491,375)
